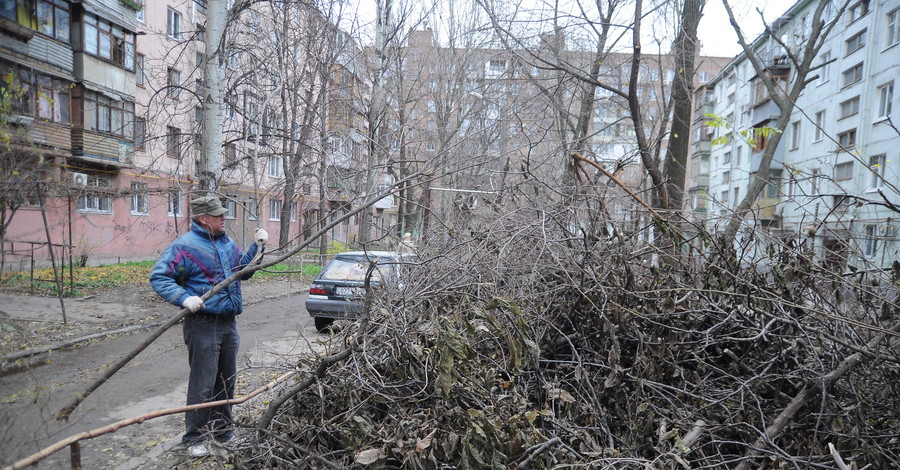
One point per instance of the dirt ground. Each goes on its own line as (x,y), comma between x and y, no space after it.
(275,331)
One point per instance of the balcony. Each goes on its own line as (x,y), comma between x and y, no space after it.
(100,149)
(764,208)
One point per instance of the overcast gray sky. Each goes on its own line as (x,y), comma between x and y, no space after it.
(716,35)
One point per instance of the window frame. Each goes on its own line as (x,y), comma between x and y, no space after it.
(174,204)
(850,135)
(795,135)
(173,142)
(173,24)
(849,107)
(275,210)
(855,42)
(139,77)
(95,201)
(870,242)
(885,100)
(843,171)
(274,166)
(139,201)
(877,168)
(857,71)
(173,83)
(820,126)
(893,28)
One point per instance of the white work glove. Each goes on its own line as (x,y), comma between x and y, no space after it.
(193,303)
(261,235)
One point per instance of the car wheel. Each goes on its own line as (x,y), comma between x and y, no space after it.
(322,324)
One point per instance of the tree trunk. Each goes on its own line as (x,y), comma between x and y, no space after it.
(685,51)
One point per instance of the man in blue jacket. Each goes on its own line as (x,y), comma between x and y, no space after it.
(188,268)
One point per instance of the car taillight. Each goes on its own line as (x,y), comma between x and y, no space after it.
(317,289)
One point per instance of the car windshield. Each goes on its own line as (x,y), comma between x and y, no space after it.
(354,269)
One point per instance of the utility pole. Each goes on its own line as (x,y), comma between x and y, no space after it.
(376,111)
(211,136)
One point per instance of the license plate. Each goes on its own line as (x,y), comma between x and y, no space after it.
(350,291)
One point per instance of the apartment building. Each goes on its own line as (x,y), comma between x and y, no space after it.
(835,173)
(110,117)
(497,120)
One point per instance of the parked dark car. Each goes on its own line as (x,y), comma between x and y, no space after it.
(338,291)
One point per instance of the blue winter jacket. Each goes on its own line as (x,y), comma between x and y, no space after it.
(194,263)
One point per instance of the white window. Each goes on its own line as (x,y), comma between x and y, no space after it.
(173,24)
(704,76)
(275,166)
(814,181)
(173,83)
(843,171)
(853,74)
(738,156)
(847,139)
(850,107)
(232,209)
(138,198)
(857,10)
(820,125)
(795,134)
(825,71)
(885,98)
(275,209)
(726,177)
(293,212)
(95,197)
(175,205)
(877,167)
(856,42)
(892,33)
(870,243)
(139,15)
(726,158)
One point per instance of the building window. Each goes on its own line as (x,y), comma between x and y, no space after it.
(175,205)
(138,198)
(230,155)
(108,41)
(726,177)
(870,243)
(738,156)
(293,212)
(96,197)
(857,10)
(275,166)
(139,70)
(173,24)
(232,209)
(726,158)
(814,181)
(139,15)
(173,142)
(892,33)
(704,76)
(843,171)
(853,74)
(41,16)
(850,107)
(847,139)
(43,97)
(825,70)
(140,126)
(856,42)
(885,98)
(173,83)
(877,167)
(795,135)
(773,186)
(275,210)
(104,114)
(820,126)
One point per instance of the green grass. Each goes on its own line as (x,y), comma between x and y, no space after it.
(132,274)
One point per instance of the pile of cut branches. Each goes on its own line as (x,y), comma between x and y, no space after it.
(528,347)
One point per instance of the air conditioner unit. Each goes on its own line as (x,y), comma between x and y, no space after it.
(79,179)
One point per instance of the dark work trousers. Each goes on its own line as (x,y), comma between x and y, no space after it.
(212,344)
